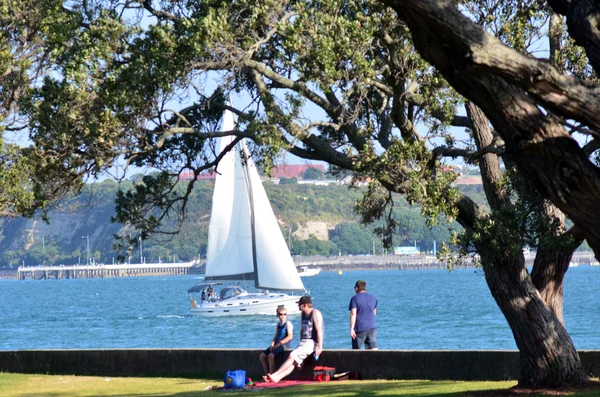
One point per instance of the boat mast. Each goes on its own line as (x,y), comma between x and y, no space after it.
(244,160)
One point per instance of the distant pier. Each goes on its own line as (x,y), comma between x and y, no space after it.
(374,262)
(104,271)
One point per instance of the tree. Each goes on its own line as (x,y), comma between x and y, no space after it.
(118,85)
(529,115)
(313,173)
(352,238)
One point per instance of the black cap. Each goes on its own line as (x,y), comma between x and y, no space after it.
(304,300)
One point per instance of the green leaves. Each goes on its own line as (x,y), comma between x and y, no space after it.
(16,196)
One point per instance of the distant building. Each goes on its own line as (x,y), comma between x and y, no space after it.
(282,171)
(406,250)
(295,170)
(468,180)
(319,182)
(348,180)
(189,175)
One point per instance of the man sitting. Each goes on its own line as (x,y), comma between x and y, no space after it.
(311,340)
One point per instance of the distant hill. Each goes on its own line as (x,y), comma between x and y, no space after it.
(316,219)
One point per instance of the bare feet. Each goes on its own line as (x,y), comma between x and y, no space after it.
(272,379)
(266,378)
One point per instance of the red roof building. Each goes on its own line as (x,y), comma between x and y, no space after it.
(282,171)
(295,170)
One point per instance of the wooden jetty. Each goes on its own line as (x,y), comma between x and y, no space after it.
(104,271)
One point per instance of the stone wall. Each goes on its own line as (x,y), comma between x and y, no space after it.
(382,364)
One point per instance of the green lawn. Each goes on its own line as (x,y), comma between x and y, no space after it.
(19,385)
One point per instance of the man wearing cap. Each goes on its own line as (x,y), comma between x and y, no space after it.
(363,308)
(311,340)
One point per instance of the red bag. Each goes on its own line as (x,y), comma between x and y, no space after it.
(323,374)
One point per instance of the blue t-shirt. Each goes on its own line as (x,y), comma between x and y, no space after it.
(364,304)
(282,333)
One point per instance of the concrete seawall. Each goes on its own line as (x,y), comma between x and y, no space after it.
(383,364)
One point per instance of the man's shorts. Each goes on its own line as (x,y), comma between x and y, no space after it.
(277,351)
(368,338)
(304,349)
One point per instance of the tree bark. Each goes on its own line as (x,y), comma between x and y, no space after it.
(547,354)
(552,260)
(549,268)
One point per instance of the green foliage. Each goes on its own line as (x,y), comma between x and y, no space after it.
(16,170)
(312,246)
(352,239)
(313,173)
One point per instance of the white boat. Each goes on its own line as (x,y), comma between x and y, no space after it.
(245,243)
(305,271)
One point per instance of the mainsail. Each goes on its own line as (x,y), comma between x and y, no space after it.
(220,219)
(251,250)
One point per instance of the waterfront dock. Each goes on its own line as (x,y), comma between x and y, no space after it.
(104,271)
(326,263)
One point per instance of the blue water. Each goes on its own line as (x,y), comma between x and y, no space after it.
(418,310)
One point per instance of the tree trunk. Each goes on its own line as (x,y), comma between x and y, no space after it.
(549,268)
(547,354)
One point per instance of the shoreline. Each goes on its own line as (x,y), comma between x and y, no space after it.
(326,266)
(366,262)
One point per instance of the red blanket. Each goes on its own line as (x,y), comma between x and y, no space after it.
(284,383)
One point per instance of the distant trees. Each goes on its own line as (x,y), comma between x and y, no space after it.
(313,173)
(352,238)
(311,246)
(288,181)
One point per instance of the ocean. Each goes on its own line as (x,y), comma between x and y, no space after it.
(418,310)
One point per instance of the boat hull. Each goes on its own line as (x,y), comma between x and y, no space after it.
(245,305)
(306,272)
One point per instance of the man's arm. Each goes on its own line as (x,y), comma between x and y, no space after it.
(352,323)
(319,325)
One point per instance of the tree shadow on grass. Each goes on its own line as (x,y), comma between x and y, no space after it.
(330,389)
(366,389)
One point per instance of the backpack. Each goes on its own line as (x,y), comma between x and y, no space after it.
(235,379)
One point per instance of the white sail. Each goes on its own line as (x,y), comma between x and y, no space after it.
(233,261)
(220,217)
(274,267)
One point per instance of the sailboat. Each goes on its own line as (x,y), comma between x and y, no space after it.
(245,243)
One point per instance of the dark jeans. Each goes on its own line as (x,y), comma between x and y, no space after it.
(368,338)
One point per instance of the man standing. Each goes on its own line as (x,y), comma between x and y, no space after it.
(311,340)
(363,308)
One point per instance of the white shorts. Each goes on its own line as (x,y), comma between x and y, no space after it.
(304,349)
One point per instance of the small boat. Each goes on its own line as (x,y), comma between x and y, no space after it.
(305,271)
(235,300)
(245,244)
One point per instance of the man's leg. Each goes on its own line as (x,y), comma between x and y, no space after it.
(286,368)
(296,358)
(371,339)
(357,343)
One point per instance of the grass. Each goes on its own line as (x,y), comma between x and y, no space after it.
(20,385)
